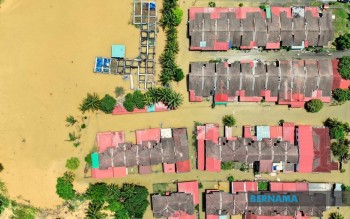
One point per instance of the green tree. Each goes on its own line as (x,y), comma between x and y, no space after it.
(340,149)
(240,5)
(148,99)
(1,167)
(94,211)
(23,212)
(97,192)
(230,178)
(71,120)
(229,165)
(212,4)
(72,163)
(129,105)
(90,103)
(341,95)
(262,7)
(178,13)
(107,104)
(344,67)
(343,42)
(335,215)
(200,185)
(119,211)
(72,136)
(337,129)
(88,159)
(229,120)
(64,189)
(244,167)
(262,186)
(179,75)
(175,101)
(138,99)
(313,106)
(119,91)
(345,188)
(135,199)
(4,203)
(337,132)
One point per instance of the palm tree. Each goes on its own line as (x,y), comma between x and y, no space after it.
(119,91)
(70,120)
(128,190)
(148,99)
(175,100)
(91,102)
(335,215)
(72,136)
(165,95)
(94,211)
(229,120)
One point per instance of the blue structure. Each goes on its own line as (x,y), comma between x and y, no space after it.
(151,108)
(102,65)
(118,51)
(262,132)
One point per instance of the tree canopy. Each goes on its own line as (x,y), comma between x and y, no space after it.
(344,67)
(229,165)
(343,42)
(341,95)
(229,120)
(90,103)
(314,106)
(64,188)
(337,129)
(179,75)
(119,91)
(72,163)
(340,149)
(107,104)
(4,203)
(335,215)
(212,4)
(178,13)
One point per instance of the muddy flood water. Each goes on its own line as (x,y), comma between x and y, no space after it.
(46,60)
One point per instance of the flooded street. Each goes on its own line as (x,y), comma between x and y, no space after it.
(47,54)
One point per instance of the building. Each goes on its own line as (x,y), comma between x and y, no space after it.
(248,28)
(286,148)
(178,205)
(220,205)
(167,147)
(284,82)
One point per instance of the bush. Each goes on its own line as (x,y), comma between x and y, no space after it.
(240,5)
(345,188)
(138,99)
(342,170)
(129,105)
(314,106)
(107,104)
(4,203)
(262,186)
(90,103)
(343,42)
(200,185)
(344,67)
(178,13)
(340,149)
(1,167)
(64,188)
(212,4)
(230,178)
(119,91)
(179,75)
(244,167)
(72,163)
(341,95)
(337,129)
(227,165)
(335,215)
(23,212)
(229,120)
(262,7)
(281,122)
(88,159)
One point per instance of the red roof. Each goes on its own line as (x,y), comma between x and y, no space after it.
(212,165)
(288,132)
(104,140)
(169,168)
(244,186)
(306,151)
(288,186)
(111,172)
(183,166)
(276,132)
(273,45)
(212,133)
(247,131)
(147,135)
(221,97)
(200,147)
(210,216)
(189,187)
(182,215)
(254,216)
(338,81)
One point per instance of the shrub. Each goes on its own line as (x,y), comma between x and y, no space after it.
(64,188)
(1,167)
(337,129)
(129,105)
(212,4)
(314,106)
(229,165)
(262,7)
(229,120)
(119,91)
(262,186)
(344,67)
(4,203)
(200,185)
(340,149)
(343,42)
(72,163)
(281,122)
(335,215)
(244,167)
(138,99)
(107,104)
(342,170)
(179,75)
(70,120)
(178,13)
(345,188)
(240,5)
(341,95)
(23,212)
(230,178)
(88,159)
(83,126)
(90,103)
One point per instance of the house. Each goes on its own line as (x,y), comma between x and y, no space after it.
(292,148)
(178,205)
(284,82)
(221,29)
(115,155)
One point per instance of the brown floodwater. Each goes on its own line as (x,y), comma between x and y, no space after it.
(47,55)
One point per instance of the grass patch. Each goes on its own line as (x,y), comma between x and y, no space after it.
(160,188)
(262,186)
(341,21)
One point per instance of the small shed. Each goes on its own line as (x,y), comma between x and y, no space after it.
(118,51)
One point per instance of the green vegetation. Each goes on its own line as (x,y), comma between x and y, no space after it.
(4,203)
(160,188)
(23,212)
(229,165)
(94,211)
(244,167)
(262,7)
(194,134)
(129,104)
(136,99)
(169,97)
(344,67)
(335,215)
(200,185)
(107,104)
(343,42)
(71,120)
(341,95)
(314,106)
(119,91)
(72,136)
(90,103)
(230,178)
(340,149)
(337,130)
(72,163)
(281,122)
(240,5)
(171,18)
(64,186)
(212,4)
(229,120)
(341,22)
(262,186)
(345,188)
(88,159)
(1,167)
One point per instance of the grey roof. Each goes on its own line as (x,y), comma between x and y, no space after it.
(166,206)
(219,203)
(168,150)
(282,78)
(302,26)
